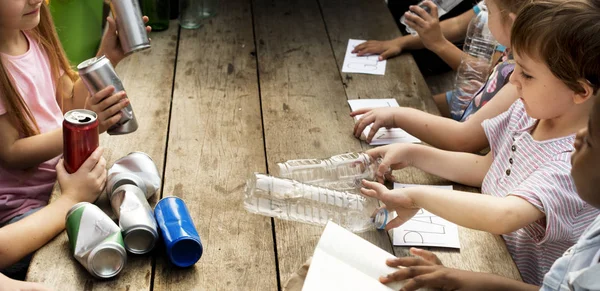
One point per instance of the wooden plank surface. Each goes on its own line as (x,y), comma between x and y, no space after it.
(404,82)
(215,143)
(147,77)
(360,19)
(305,111)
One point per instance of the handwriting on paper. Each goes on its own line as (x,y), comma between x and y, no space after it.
(383,135)
(364,64)
(426,229)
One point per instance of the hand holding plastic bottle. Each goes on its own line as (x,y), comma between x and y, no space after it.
(392,157)
(396,200)
(427,25)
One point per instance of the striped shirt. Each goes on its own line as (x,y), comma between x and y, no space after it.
(539,172)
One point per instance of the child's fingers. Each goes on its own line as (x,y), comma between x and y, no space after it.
(422,14)
(360,47)
(387,54)
(363,122)
(428,279)
(99,168)
(426,255)
(407,262)
(414,20)
(360,111)
(145,19)
(369,193)
(101,95)
(406,273)
(60,168)
(108,123)
(374,185)
(92,160)
(117,103)
(374,128)
(433,8)
(398,221)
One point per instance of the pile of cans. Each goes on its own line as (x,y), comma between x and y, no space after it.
(101,245)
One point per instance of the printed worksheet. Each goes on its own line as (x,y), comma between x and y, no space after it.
(364,64)
(346,262)
(383,136)
(426,229)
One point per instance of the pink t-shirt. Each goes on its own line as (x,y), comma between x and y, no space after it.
(22,190)
(540,173)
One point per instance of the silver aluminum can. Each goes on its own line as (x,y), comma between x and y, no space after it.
(131,27)
(136,168)
(95,240)
(98,73)
(136,218)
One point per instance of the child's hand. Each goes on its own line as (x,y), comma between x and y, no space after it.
(88,182)
(107,106)
(397,200)
(426,25)
(110,45)
(379,117)
(393,157)
(385,49)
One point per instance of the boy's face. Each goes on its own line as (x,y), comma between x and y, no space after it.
(543,94)
(19,14)
(586,159)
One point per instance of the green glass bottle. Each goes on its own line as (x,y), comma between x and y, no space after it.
(158,12)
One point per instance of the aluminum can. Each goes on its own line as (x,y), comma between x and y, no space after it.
(136,168)
(131,27)
(95,240)
(136,218)
(98,73)
(181,238)
(80,137)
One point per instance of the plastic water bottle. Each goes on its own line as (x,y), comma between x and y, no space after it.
(291,200)
(444,6)
(341,172)
(475,65)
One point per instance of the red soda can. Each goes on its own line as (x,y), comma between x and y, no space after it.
(80,137)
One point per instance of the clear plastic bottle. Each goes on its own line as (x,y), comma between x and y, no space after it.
(292,200)
(476,63)
(341,172)
(444,6)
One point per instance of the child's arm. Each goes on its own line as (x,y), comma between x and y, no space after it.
(428,27)
(426,271)
(24,153)
(438,131)
(497,215)
(465,168)
(453,30)
(17,241)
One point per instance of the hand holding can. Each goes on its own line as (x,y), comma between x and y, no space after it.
(80,137)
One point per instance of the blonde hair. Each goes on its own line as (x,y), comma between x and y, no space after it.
(16,108)
(565,35)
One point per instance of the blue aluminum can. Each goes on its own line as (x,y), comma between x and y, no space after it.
(178,231)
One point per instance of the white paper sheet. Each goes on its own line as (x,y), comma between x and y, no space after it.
(383,136)
(344,261)
(364,64)
(426,229)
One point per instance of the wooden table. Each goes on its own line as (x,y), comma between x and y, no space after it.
(257,84)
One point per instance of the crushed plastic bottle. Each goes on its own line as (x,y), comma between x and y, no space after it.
(291,200)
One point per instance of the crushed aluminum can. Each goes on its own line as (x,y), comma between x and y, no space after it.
(136,218)
(95,240)
(136,168)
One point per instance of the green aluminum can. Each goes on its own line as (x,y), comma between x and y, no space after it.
(95,240)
